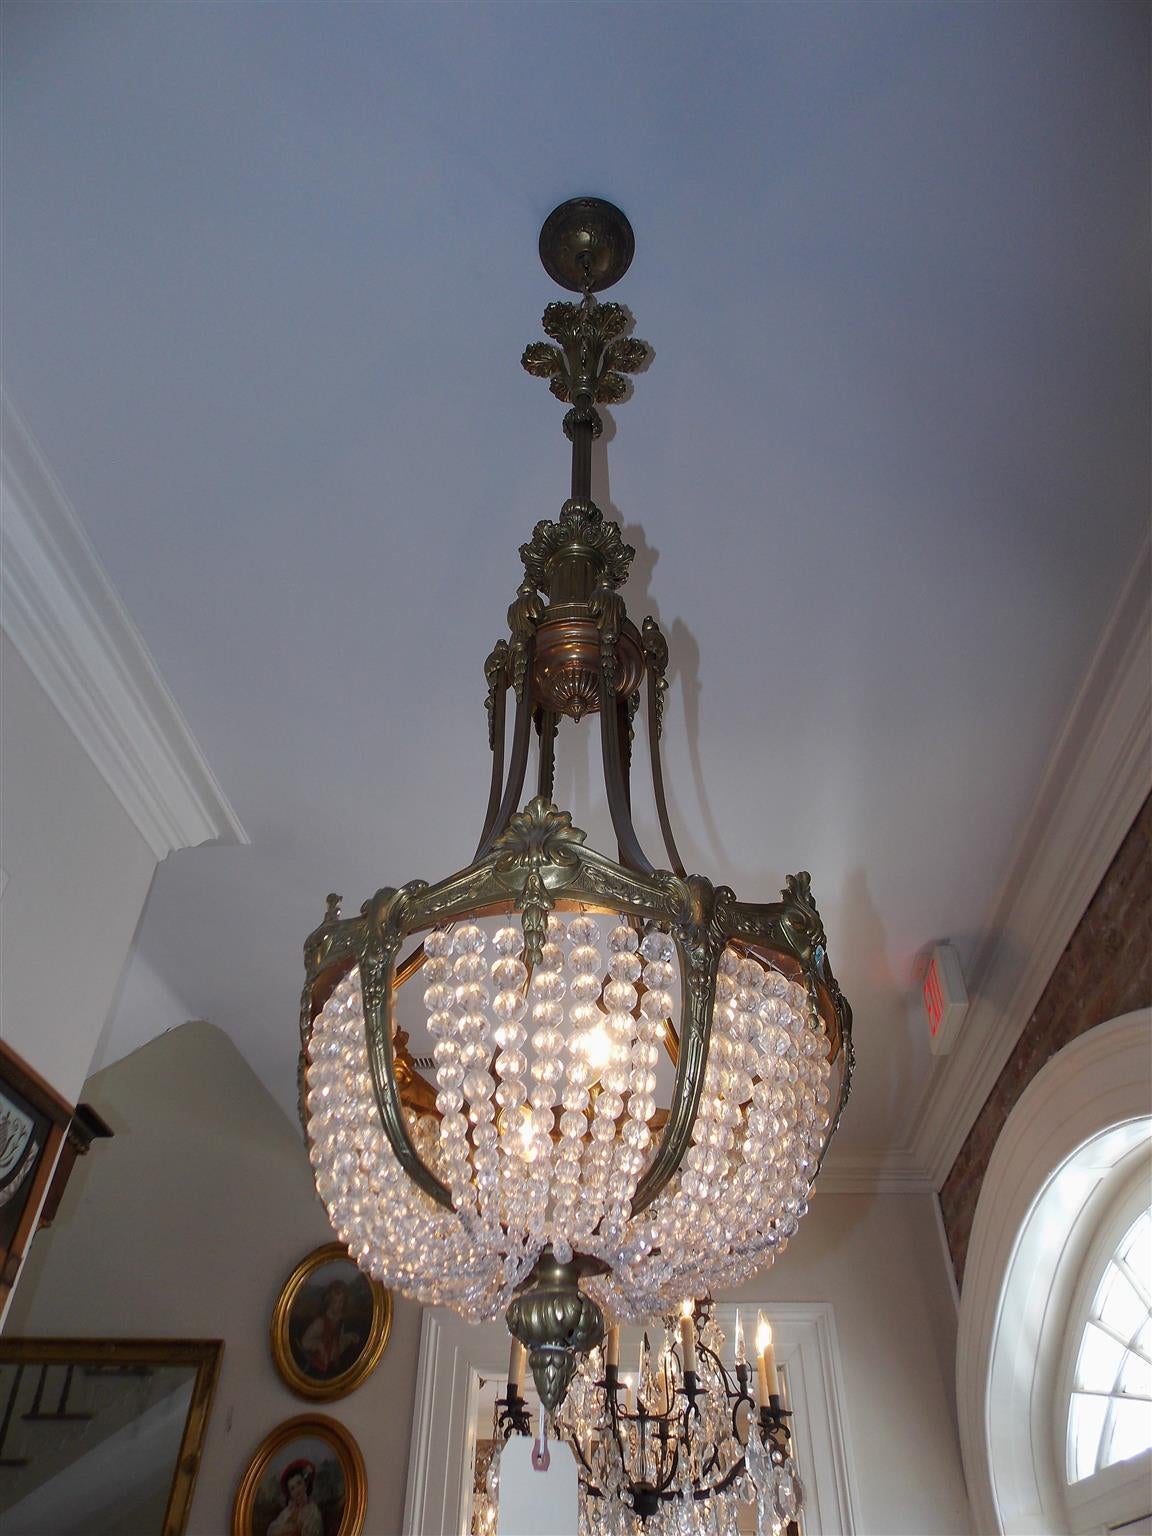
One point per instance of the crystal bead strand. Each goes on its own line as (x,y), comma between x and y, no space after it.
(375,1208)
(619,998)
(546,998)
(635,1075)
(469,971)
(426,1222)
(511,1094)
(509,979)
(585,962)
(657,957)
(731,1200)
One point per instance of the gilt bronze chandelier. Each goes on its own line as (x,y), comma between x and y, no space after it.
(636,1074)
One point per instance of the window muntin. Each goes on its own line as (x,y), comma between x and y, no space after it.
(1110,1413)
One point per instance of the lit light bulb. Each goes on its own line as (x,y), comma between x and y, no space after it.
(738,1340)
(767,1379)
(597,1047)
(688,1335)
(763,1333)
(528,1148)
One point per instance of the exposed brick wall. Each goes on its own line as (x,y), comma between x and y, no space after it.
(1105,971)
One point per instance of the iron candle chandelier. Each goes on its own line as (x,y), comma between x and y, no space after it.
(691,1429)
(566,989)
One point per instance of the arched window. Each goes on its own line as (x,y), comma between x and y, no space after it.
(1110,1413)
(1105,1402)
(1054,1350)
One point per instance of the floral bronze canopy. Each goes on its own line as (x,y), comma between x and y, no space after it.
(636,1074)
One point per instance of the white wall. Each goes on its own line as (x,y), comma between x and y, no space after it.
(78,874)
(186,1224)
(188,1221)
(878,1259)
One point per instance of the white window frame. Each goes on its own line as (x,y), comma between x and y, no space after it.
(1119,1494)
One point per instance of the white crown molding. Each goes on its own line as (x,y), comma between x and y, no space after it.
(1097,779)
(872,1171)
(65,618)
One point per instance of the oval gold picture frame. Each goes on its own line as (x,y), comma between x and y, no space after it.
(306,1427)
(317,1387)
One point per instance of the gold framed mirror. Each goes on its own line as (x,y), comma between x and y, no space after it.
(102,1436)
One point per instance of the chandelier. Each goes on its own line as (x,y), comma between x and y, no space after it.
(636,1074)
(689,1431)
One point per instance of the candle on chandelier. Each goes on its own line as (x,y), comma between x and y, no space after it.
(738,1341)
(612,1349)
(516,1358)
(688,1336)
(668,1379)
(767,1379)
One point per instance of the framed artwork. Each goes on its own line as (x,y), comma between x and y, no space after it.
(33,1118)
(330,1326)
(103,1434)
(306,1479)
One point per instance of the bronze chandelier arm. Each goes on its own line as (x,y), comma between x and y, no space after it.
(497,706)
(632,855)
(675,862)
(517,768)
(698,969)
(656,667)
(382,938)
(306,1018)
(794,925)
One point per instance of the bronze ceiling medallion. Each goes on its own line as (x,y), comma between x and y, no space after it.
(586,245)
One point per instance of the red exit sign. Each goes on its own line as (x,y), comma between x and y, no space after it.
(945,998)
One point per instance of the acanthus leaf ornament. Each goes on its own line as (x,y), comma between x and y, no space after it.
(636,1074)
(536,836)
(581,528)
(656,656)
(593,354)
(524,615)
(539,839)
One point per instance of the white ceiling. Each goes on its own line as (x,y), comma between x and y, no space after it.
(267,275)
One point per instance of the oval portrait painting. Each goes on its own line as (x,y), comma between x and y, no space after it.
(306,1479)
(330,1326)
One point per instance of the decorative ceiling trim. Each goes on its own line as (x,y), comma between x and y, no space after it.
(66,619)
(872,1172)
(1098,777)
